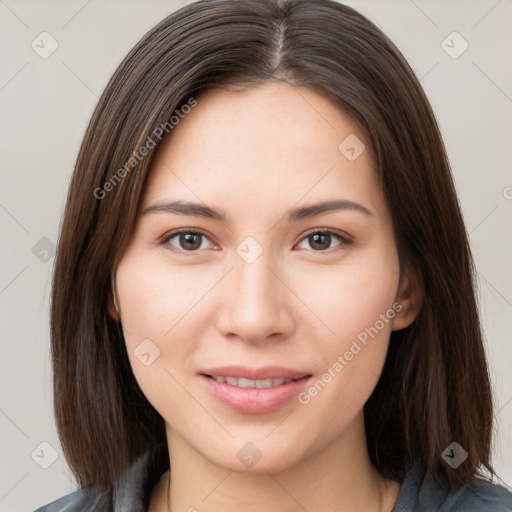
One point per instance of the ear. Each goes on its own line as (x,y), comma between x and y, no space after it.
(410,297)
(112,305)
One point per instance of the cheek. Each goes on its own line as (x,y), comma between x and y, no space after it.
(351,296)
(159,326)
(153,296)
(355,300)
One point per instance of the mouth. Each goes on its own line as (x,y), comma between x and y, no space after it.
(254,391)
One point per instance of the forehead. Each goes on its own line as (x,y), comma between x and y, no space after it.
(269,144)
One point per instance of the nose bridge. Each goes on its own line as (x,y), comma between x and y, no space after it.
(255,281)
(252,263)
(254,306)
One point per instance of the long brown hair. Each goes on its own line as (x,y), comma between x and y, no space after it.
(435,386)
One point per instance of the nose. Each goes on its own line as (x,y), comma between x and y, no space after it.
(256,304)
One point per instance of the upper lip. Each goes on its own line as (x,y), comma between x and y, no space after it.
(264,372)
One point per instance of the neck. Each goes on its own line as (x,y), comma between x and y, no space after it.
(339,478)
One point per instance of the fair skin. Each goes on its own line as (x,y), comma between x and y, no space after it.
(255,155)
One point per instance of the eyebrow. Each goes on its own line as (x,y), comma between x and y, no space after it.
(295,214)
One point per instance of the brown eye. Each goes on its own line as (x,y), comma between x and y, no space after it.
(320,241)
(190,241)
(186,241)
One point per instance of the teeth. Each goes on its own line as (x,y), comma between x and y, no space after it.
(249,383)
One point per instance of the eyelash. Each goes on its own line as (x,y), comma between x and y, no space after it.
(344,241)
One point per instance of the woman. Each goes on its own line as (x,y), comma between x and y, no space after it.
(253,303)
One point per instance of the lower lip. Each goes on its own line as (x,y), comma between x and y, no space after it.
(254,400)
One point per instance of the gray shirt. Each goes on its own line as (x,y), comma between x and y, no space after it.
(132,491)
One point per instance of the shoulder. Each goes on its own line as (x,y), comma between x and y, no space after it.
(131,491)
(481,495)
(421,494)
(79,500)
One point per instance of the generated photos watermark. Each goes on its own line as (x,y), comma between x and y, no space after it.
(343,359)
(151,142)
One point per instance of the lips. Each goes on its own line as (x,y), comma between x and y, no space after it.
(254,390)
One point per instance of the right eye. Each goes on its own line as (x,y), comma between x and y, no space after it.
(187,240)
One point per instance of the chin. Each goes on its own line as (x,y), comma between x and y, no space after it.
(260,456)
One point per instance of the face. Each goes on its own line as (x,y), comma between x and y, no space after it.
(263,281)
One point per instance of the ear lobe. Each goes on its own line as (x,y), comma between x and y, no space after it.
(410,297)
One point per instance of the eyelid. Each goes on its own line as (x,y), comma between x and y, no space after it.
(345,237)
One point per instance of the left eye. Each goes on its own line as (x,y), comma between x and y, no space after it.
(321,240)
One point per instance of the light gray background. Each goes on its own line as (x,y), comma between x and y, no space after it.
(45,105)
